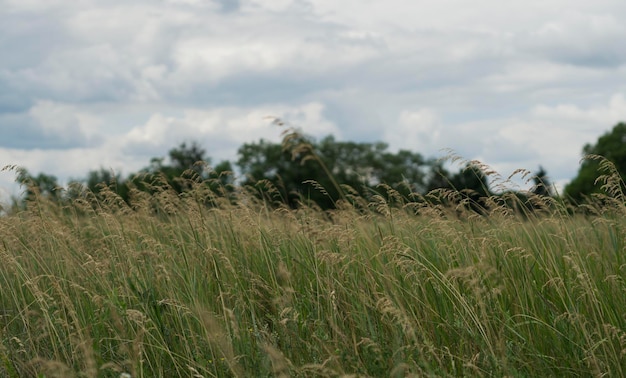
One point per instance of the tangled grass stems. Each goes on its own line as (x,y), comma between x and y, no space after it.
(168,286)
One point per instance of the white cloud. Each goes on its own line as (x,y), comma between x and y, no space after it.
(63,120)
(417,130)
(223,130)
(220,131)
(32,5)
(275,49)
(64,164)
(50,125)
(531,76)
(579,38)
(551,136)
(195,3)
(607,115)
(140,51)
(486,15)
(518,83)
(273,5)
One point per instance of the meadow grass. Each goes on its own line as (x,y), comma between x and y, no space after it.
(171,287)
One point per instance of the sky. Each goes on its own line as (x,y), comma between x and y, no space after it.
(88,84)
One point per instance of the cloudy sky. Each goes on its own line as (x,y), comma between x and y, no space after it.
(86,84)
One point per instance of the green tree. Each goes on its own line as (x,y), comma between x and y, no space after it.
(542,184)
(97,180)
(185,164)
(470,184)
(468,178)
(280,174)
(185,157)
(186,167)
(42,184)
(300,168)
(223,173)
(612,146)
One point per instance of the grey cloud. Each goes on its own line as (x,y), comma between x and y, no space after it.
(12,101)
(27,38)
(228,6)
(97,70)
(591,40)
(592,55)
(29,131)
(366,67)
(24,134)
(218,147)
(81,55)
(83,75)
(145,151)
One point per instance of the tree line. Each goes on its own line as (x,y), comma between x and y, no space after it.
(301,170)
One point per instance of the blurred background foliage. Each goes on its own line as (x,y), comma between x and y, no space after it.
(301,169)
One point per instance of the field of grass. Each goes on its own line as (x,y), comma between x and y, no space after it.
(170,287)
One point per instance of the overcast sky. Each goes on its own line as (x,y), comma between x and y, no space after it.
(86,84)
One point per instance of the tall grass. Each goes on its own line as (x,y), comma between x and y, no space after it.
(170,287)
